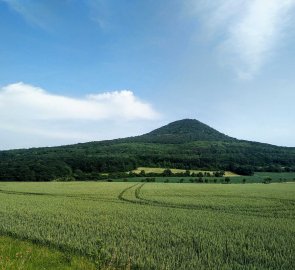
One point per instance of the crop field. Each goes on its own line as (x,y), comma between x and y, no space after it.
(148,225)
(23,255)
(160,170)
(210,180)
(258,177)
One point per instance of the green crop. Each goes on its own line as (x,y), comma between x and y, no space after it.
(156,225)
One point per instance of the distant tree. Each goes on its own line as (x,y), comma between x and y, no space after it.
(267,180)
(243,170)
(65,179)
(132,174)
(244,181)
(274,168)
(219,173)
(187,173)
(167,173)
(200,174)
(142,173)
(227,180)
(287,169)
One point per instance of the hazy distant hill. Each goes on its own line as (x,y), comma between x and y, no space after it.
(183,144)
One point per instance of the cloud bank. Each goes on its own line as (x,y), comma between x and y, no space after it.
(28,109)
(247,31)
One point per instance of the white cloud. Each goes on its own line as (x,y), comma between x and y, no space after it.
(247,30)
(31,110)
(30,102)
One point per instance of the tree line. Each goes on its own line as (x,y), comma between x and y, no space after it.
(94,160)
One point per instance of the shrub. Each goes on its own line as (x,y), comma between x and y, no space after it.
(167,172)
(267,180)
(227,180)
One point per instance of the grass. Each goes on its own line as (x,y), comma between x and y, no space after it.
(276,176)
(160,170)
(258,177)
(153,225)
(23,255)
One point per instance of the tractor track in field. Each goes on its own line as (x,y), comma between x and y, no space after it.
(122,198)
(271,211)
(248,211)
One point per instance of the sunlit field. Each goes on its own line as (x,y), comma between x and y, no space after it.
(149,225)
(160,170)
(24,255)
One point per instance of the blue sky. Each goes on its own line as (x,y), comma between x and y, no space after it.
(76,71)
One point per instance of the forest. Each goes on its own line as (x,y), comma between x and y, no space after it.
(185,144)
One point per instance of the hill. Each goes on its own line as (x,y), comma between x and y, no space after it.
(183,131)
(184,144)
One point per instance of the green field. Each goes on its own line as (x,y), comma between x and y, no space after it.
(23,255)
(258,177)
(160,170)
(149,225)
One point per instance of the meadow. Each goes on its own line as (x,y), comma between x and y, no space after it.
(258,177)
(88,225)
(160,170)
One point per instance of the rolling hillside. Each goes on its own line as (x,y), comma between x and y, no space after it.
(184,144)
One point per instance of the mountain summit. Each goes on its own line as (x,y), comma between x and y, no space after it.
(184,144)
(185,130)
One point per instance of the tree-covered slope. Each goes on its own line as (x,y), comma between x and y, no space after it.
(186,144)
(183,131)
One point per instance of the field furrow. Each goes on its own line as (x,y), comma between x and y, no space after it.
(156,226)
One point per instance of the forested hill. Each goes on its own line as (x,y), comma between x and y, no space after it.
(182,131)
(185,144)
